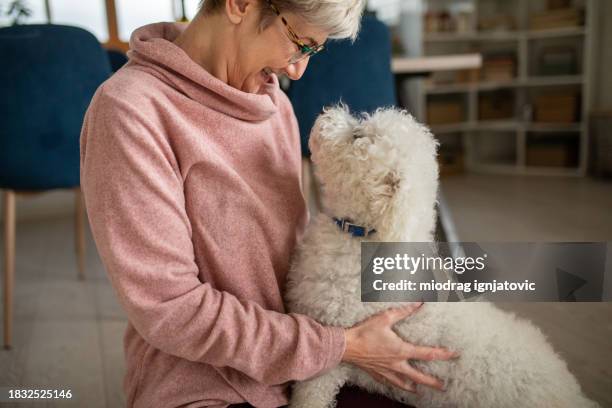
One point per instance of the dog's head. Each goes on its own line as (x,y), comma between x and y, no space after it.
(379,170)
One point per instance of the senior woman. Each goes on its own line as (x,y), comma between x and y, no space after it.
(190,165)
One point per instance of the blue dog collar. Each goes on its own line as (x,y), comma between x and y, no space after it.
(355,230)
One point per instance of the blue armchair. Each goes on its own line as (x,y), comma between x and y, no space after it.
(49,74)
(117,59)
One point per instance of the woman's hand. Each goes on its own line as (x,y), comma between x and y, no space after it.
(374,347)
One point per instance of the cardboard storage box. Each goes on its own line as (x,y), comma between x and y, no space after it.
(558,61)
(559,18)
(450,163)
(498,66)
(547,156)
(556,108)
(444,112)
(496,105)
(552,150)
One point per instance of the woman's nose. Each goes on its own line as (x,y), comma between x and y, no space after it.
(296,70)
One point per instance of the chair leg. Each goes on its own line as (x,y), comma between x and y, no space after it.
(9,264)
(79,231)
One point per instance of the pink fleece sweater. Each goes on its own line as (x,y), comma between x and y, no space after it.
(193,194)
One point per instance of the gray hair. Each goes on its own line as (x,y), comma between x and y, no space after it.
(340,18)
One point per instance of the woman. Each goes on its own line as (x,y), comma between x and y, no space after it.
(190,166)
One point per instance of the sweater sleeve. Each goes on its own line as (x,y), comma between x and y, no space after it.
(134,196)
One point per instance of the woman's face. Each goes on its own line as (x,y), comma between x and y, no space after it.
(262,52)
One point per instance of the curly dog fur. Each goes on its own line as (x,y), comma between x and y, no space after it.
(380,170)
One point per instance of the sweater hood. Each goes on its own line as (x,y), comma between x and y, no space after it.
(152,47)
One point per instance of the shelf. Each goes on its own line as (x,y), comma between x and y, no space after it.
(554,127)
(526,170)
(504,35)
(506,146)
(551,171)
(507,125)
(467,87)
(553,80)
(483,125)
(494,168)
(476,36)
(556,33)
(490,86)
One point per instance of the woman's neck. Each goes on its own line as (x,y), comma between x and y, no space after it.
(205,43)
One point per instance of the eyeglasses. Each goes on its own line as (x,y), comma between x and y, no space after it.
(305,50)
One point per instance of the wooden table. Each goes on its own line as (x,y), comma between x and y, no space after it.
(427,65)
(406,68)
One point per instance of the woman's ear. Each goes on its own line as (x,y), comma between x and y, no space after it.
(236,10)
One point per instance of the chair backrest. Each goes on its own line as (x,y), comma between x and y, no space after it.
(117,59)
(357,74)
(48,76)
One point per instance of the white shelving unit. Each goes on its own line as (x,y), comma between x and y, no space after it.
(512,134)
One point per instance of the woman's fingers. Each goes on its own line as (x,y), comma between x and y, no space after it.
(395,379)
(399,313)
(376,348)
(391,316)
(422,378)
(406,377)
(429,353)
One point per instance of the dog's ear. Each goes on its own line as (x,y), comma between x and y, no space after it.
(335,118)
(384,194)
(392,182)
(338,110)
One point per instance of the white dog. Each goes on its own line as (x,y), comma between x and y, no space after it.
(381,173)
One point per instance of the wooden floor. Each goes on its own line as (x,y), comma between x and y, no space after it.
(68,333)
